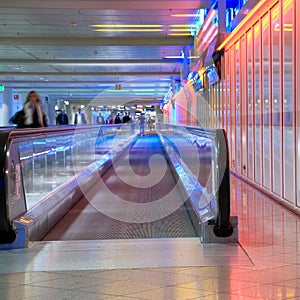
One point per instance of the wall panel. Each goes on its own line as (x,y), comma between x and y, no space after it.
(276,101)
(257,103)
(266,161)
(289,163)
(250,104)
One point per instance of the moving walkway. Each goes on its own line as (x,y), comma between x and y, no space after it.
(104,182)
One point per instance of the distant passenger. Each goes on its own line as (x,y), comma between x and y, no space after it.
(80,118)
(34,115)
(118,119)
(142,123)
(62,118)
(126,118)
(150,123)
(110,119)
(100,119)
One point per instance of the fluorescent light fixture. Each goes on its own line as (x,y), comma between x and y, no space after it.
(173,56)
(210,33)
(182,25)
(126,25)
(185,15)
(107,64)
(286,27)
(128,30)
(145,85)
(133,91)
(144,94)
(181,29)
(181,34)
(211,15)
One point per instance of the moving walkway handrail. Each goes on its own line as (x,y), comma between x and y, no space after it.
(222,225)
(7,136)
(7,234)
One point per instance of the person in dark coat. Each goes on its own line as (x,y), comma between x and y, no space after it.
(118,119)
(62,118)
(126,118)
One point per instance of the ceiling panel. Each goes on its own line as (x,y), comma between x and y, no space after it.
(50,45)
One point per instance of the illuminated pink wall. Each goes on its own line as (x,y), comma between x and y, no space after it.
(182,110)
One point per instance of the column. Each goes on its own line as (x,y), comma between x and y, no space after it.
(222,16)
(7,106)
(185,68)
(49,106)
(159,116)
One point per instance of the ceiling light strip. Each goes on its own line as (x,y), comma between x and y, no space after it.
(185,15)
(181,29)
(182,25)
(126,25)
(180,34)
(128,30)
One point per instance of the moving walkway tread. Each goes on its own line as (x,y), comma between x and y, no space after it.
(86,222)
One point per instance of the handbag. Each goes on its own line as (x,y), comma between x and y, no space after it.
(18,118)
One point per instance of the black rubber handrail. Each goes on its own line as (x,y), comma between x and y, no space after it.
(222,225)
(7,234)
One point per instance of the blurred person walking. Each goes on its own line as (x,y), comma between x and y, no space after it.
(34,115)
(62,118)
(142,120)
(126,118)
(100,119)
(80,117)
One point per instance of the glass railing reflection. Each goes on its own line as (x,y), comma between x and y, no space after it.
(49,161)
(200,157)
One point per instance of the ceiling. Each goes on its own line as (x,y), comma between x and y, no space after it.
(51,47)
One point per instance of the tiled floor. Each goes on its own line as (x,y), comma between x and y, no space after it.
(264,265)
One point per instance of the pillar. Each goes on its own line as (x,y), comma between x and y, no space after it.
(7,106)
(185,68)
(49,107)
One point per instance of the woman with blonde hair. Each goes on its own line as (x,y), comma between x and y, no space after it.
(34,115)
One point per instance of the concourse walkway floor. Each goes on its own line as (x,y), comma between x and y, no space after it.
(265,264)
(129,201)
